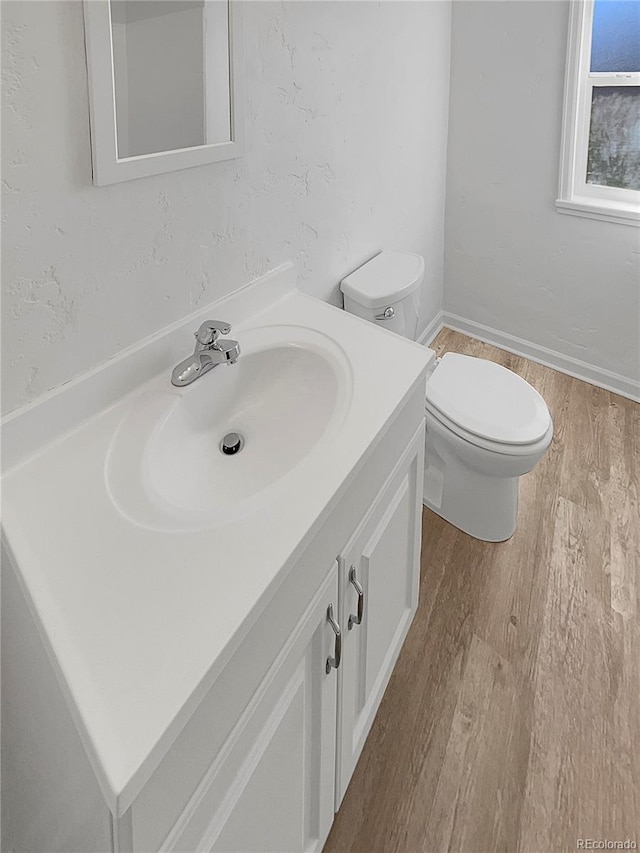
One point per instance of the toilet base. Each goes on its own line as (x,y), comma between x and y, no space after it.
(481,505)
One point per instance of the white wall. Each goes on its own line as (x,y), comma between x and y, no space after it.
(512,263)
(346,107)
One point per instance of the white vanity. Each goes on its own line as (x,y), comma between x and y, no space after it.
(175,676)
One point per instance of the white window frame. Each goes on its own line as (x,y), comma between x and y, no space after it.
(575,195)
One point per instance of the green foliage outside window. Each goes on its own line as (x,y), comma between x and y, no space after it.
(614,137)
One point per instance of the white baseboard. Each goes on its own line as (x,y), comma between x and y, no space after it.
(430,333)
(606,379)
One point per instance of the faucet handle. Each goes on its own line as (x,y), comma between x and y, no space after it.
(210,331)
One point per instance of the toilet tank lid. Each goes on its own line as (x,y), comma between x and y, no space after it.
(385,279)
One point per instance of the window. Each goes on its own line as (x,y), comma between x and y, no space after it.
(600,158)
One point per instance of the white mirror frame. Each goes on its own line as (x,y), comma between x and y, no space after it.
(107,167)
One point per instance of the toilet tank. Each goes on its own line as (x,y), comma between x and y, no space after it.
(386,291)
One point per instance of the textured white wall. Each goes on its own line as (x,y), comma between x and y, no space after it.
(511,262)
(346,107)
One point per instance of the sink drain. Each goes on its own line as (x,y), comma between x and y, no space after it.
(232,443)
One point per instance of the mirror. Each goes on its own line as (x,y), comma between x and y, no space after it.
(164,81)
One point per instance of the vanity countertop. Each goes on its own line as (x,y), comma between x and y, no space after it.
(139,622)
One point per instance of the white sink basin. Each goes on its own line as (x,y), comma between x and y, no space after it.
(288,392)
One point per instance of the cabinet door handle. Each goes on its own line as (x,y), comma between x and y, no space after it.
(356,620)
(335,661)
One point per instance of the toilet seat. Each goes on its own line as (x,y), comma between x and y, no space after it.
(501,447)
(487,404)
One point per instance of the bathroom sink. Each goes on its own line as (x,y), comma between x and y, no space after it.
(287,394)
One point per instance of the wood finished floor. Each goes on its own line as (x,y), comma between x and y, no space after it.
(512,721)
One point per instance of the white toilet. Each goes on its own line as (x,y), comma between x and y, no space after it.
(486,426)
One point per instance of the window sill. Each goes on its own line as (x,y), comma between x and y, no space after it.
(619,213)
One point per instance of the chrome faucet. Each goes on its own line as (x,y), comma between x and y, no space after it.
(210,350)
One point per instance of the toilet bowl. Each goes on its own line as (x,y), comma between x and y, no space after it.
(473,488)
(485,425)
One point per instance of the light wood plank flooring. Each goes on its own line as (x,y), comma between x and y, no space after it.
(512,720)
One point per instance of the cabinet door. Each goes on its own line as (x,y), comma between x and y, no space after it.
(272,786)
(383,558)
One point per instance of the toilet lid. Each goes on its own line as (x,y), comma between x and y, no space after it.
(488,400)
